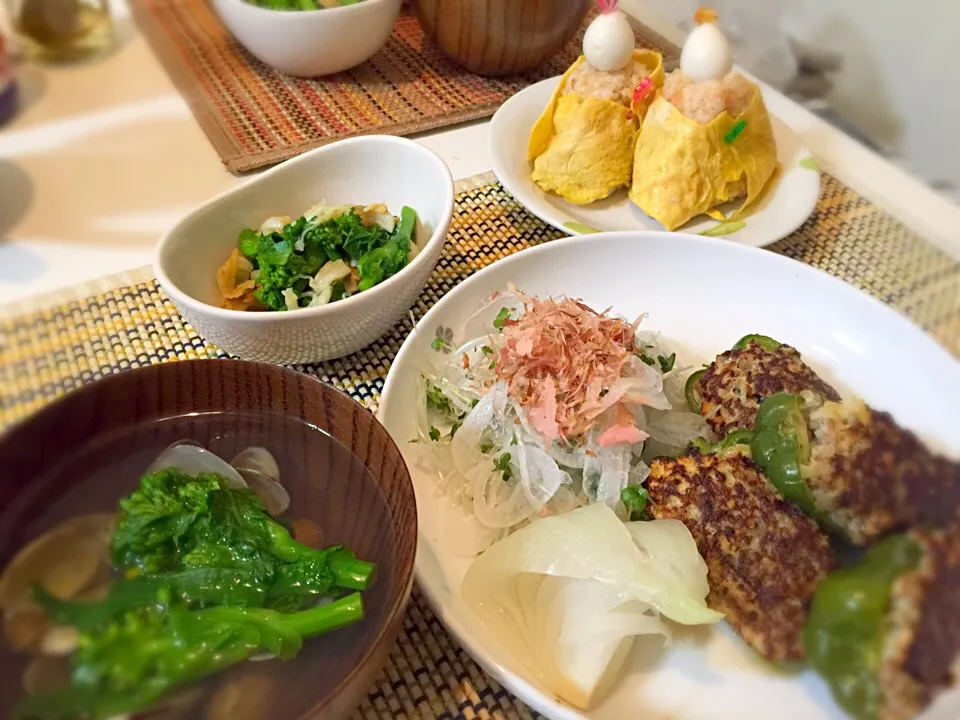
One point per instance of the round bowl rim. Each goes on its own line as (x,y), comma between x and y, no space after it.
(404,569)
(309,13)
(437,237)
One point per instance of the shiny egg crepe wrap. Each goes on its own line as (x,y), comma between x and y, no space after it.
(582,147)
(682,169)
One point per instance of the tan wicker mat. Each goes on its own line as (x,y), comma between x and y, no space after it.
(256,116)
(46,352)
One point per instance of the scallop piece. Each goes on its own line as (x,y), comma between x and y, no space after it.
(46,674)
(274,496)
(192,459)
(274,224)
(64,560)
(243,697)
(259,459)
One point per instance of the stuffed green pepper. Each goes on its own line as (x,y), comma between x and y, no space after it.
(852,468)
(729,391)
(885,634)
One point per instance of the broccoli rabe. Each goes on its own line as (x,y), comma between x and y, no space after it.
(127,665)
(218,546)
(288,259)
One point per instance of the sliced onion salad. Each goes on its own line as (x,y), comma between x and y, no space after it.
(500,472)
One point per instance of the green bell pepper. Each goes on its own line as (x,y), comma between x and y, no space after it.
(781,445)
(843,636)
(690,390)
(767,343)
(737,437)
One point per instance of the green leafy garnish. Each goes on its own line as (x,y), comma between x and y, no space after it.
(635,499)
(666,363)
(502,464)
(290,258)
(440,402)
(501,318)
(486,350)
(434,433)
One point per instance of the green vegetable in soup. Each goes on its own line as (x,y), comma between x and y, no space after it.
(128,665)
(218,546)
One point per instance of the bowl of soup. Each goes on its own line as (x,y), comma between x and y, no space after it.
(205,539)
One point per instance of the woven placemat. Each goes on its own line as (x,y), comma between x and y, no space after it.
(47,352)
(256,116)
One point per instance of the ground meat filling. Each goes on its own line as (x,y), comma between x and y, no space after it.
(922,641)
(704,101)
(615,85)
(873,477)
(764,557)
(738,380)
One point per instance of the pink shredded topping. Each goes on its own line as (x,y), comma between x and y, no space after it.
(623,432)
(607,6)
(560,361)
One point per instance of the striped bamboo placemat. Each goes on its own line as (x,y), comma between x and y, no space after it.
(129,322)
(256,116)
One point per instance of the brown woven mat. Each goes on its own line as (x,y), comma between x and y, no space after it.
(256,116)
(129,322)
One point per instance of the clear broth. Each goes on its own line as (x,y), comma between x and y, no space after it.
(327,484)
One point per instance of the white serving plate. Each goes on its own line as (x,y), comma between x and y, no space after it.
(704,294)
(782,211)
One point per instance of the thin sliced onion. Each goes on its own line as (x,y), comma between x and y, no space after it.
(499,504)
(540,477)
(676,429)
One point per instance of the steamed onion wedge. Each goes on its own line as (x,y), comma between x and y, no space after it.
(567,595)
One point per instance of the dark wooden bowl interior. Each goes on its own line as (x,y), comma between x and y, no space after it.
(341,468)
(501,37)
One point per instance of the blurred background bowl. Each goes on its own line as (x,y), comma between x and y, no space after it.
(311,43)
(501,37)
(344,474)
(358,171)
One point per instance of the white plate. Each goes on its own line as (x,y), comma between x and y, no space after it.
(777,215)
(704,294)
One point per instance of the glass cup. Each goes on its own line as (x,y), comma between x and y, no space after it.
(62,30)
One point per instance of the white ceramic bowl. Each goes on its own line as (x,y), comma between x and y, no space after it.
(310,43)
(363,170)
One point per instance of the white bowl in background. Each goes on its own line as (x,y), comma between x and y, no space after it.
(311,43)
(363,170)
